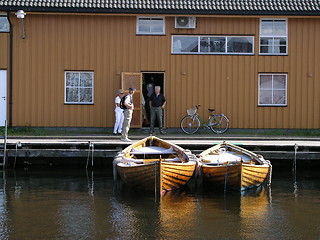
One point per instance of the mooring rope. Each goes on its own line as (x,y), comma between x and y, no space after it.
(294,170)
(294,166)
(18,144)
(270,173)
(225,179)
(91,148)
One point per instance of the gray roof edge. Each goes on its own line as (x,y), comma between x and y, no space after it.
(156,11)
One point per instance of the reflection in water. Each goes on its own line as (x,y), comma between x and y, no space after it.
(254,214)
(90,205)
(3,209)
(178,214)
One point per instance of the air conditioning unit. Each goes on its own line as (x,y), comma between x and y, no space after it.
(185,22)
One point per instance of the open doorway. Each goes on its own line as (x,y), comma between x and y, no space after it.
(149,81)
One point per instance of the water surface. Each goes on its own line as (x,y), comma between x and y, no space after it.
(65,204)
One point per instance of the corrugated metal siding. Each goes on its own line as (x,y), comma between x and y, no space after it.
(303,79)
(108,45)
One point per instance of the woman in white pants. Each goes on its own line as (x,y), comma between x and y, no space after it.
(119,114)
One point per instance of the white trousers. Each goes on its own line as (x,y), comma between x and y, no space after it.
(119,120)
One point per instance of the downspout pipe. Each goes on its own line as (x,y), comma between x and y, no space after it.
(10,70)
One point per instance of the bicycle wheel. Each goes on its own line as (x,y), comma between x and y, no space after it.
(219,123)
(190,124)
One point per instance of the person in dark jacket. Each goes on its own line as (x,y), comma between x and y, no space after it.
(157,104)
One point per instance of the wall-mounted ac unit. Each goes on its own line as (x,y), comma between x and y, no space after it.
(185,22)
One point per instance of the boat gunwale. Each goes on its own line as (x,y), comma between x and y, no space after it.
(260,159)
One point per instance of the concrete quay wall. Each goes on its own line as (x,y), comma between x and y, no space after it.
(75,150)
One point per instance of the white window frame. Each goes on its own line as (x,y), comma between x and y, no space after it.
(273,36)
(272,89)
(212,53)
(65,87)
(150,32)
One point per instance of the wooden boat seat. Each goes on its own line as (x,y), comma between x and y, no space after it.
(230,157)
(152,150)
(165,160)
(131,161)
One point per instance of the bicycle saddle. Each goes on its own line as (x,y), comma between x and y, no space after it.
(211,110)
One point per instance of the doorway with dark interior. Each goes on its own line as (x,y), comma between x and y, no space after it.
(149,81)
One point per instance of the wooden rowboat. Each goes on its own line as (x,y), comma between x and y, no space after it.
(153,164)
(231,166)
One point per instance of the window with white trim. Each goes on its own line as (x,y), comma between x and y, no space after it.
(272,89)
(212,45)
(150,25)
(78,87)
(4,24)
(273,37)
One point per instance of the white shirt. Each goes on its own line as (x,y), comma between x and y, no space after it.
(117,100)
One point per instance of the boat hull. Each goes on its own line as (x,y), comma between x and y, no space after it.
(239,177)
(159,176)
(220,176)
(243,170)
(253,175)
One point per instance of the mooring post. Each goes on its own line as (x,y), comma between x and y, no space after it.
(5,145)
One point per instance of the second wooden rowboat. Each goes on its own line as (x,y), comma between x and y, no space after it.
(231,166)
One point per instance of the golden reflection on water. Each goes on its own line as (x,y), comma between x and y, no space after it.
(254,213)
(178,212)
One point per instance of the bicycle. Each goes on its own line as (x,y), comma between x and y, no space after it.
(190,124)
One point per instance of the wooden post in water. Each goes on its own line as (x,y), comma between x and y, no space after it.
(5,145)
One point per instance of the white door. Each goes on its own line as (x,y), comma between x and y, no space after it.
(3,97)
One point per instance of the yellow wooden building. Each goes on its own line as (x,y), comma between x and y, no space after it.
(62,62)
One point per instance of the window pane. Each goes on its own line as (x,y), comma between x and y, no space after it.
(281,41)
(86,95)
(72,95)
(279,97)
(279,82)
(240,44)
(213,44)
(157,25)
(86,79)
(279,28)
(283,49)
(265,41)
(265,81)
(266,27)
(185,44)
(144,25)
(205,44)
(266,49)
(72,79)
(4,24)
(265,97)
